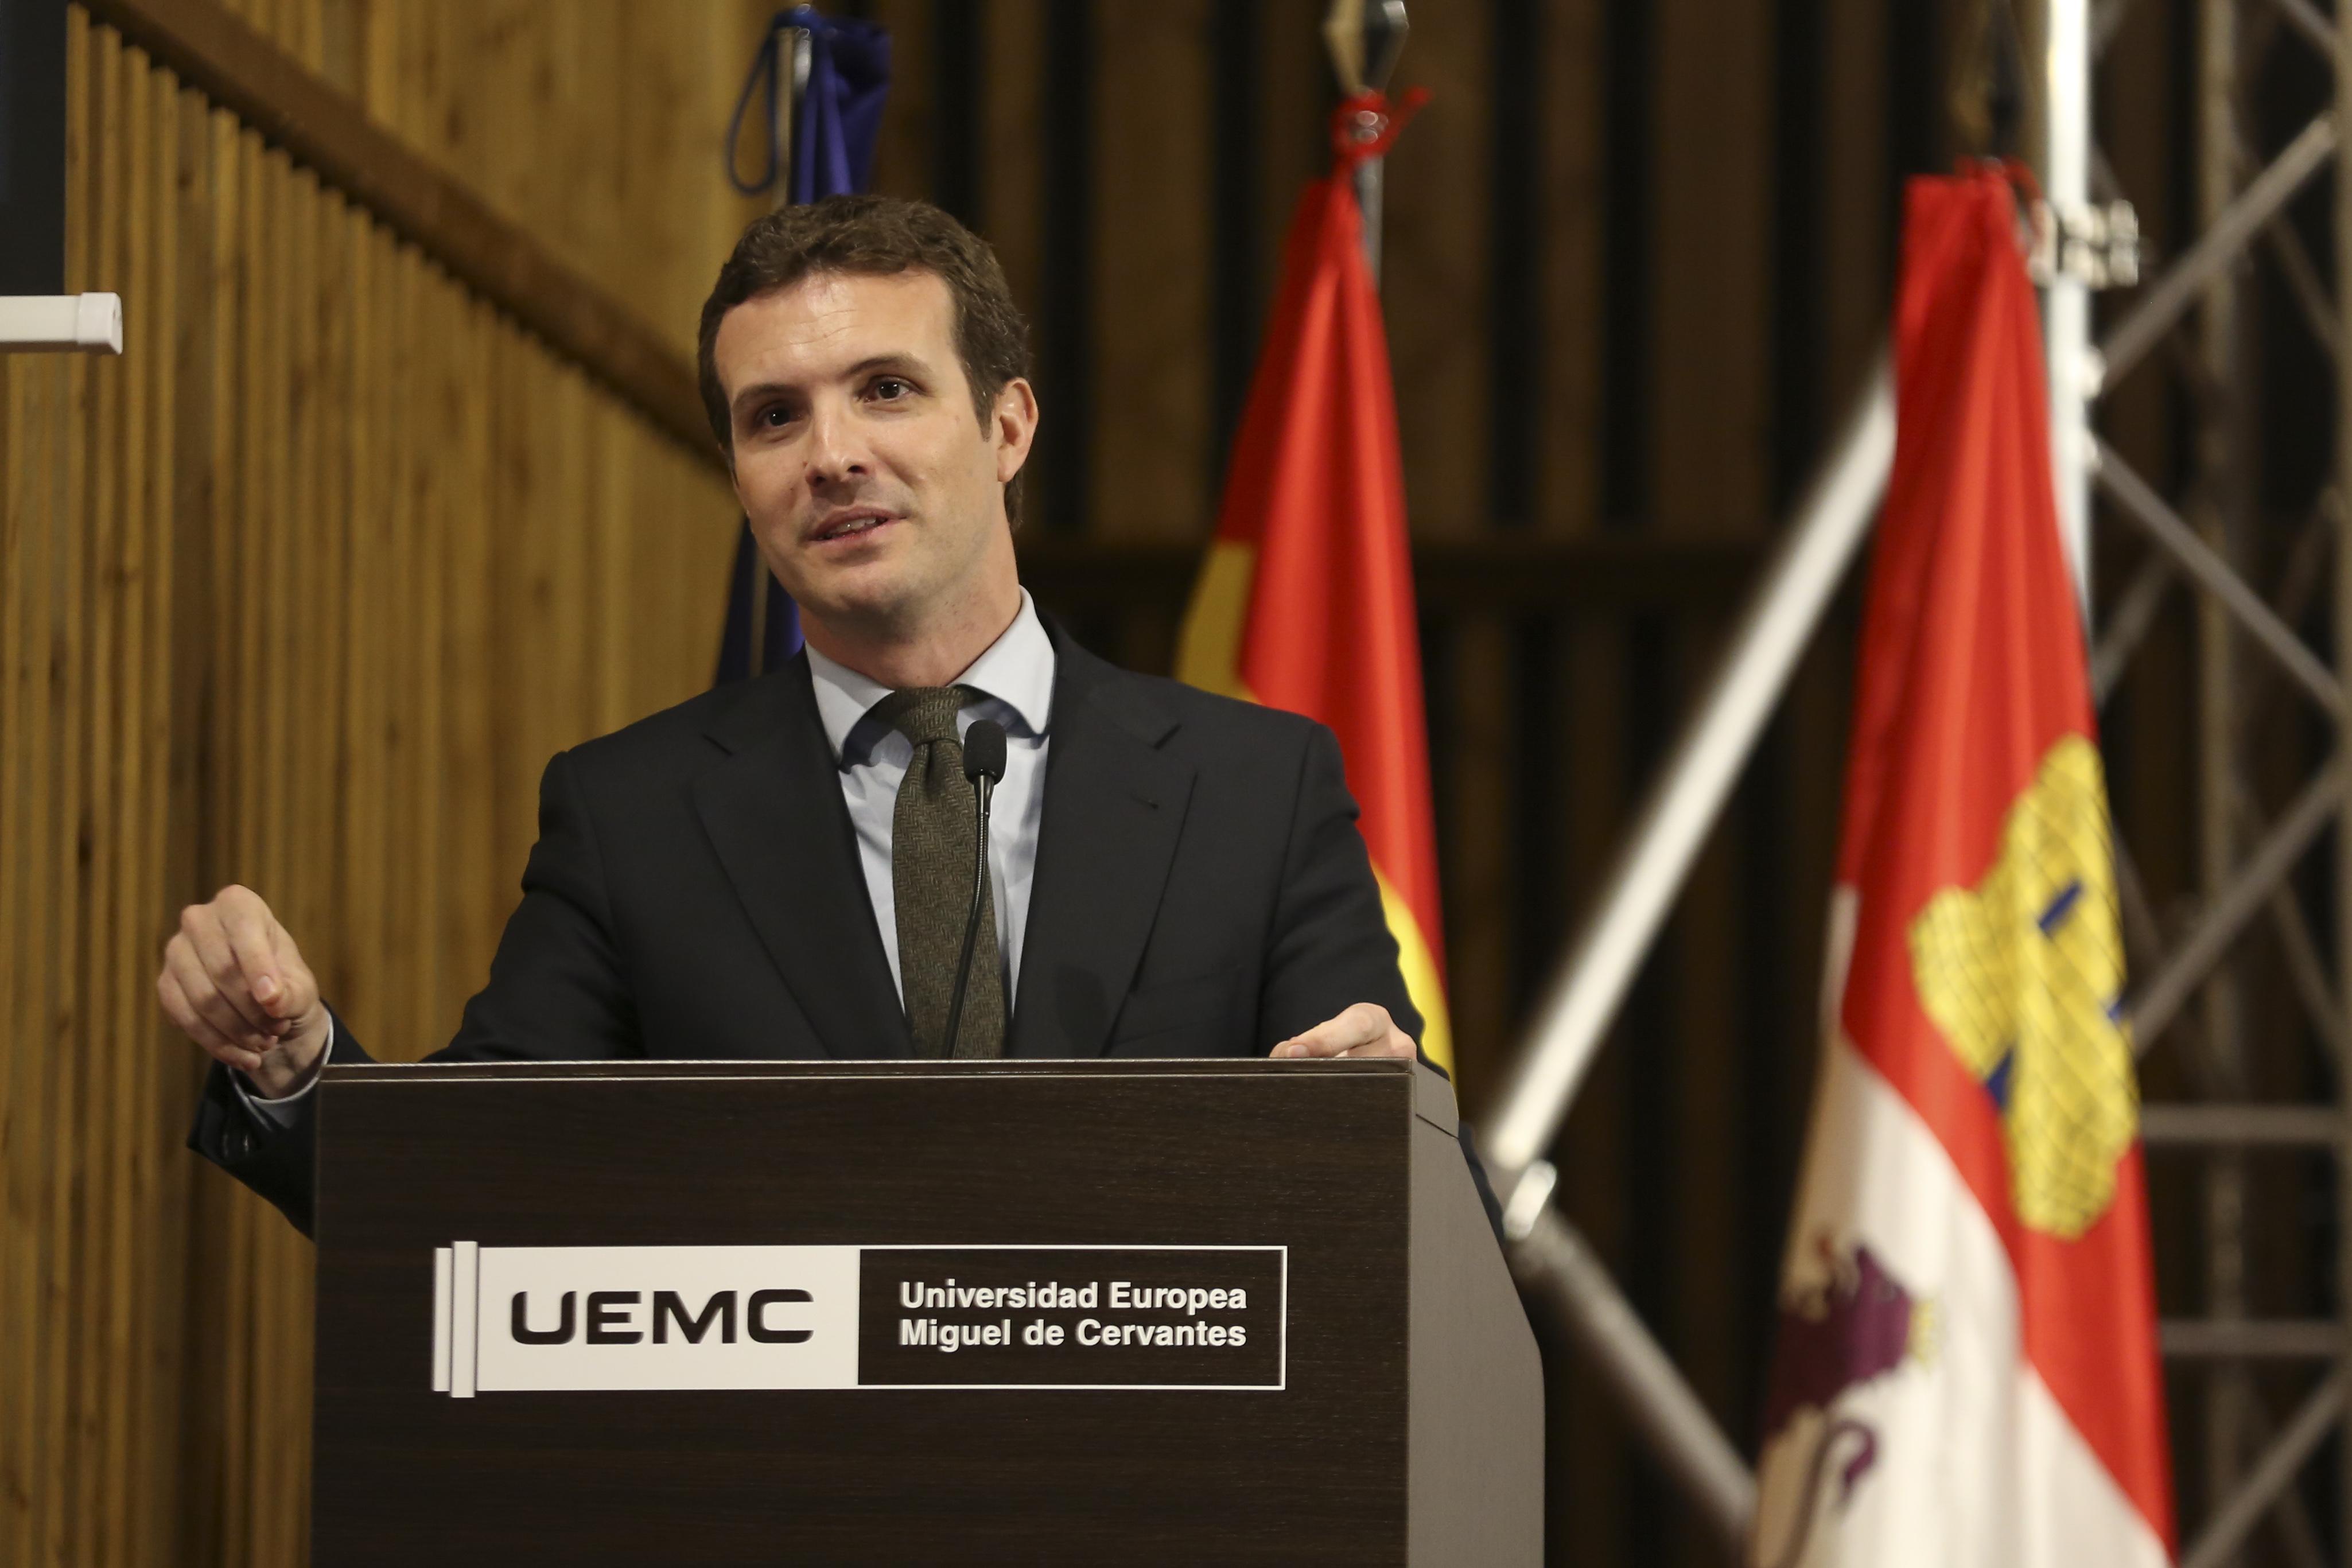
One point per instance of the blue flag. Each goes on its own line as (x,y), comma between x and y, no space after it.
(835,117)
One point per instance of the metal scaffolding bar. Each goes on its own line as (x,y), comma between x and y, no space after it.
(1555,1266)
(2316,29)
(2236,903)
(2177,539)
(2253,1339)
(2248,1126)
(2343,867)
(2270,1476)
(1680,807)
(2209,540)
(2179,291)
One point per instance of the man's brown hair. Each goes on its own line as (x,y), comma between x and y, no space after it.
(874,237)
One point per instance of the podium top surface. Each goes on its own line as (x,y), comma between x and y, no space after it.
(889,1067)
(1433,1091)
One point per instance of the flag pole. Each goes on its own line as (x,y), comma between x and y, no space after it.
(2073,371)
(792,85)
(1365,38)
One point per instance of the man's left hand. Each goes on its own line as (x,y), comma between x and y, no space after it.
(1364,1029)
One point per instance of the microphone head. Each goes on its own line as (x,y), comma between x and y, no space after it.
(983,751)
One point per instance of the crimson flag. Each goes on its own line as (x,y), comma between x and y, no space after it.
(1966,1368)
(1306,600)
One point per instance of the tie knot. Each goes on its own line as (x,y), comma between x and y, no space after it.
(925,714)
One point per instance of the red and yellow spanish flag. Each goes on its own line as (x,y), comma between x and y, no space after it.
(1966,1368)
(1306,601)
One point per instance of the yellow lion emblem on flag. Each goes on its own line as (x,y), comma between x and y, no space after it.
(2024,976)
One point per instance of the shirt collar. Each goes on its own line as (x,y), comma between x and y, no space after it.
(1016,670)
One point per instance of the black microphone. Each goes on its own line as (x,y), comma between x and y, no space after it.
(983,764)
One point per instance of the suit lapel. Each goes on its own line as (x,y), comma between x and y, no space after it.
(1115,805)
(774,810)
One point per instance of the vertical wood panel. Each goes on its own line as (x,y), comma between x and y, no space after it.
(1853,207)
(1712,145)
(1295,95)
(1589,1520)
(1703,1309)
(1012,129)
(1568,489)
(1436,271)
(66,1022)
(1489,740)
(150,1249)
(1058,475)
(94,1061)
(1711,429)
(905,152)
(1152,270)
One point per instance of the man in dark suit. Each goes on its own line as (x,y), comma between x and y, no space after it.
(781,867)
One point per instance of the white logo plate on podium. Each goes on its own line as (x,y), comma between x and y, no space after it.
(611,1318)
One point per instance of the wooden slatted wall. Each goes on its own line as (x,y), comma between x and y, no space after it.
(301,591)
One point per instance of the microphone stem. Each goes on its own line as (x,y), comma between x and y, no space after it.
(983,786)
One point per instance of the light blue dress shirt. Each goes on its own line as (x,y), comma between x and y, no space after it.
(1015,678)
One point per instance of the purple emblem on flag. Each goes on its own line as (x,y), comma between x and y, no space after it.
(1859,1326)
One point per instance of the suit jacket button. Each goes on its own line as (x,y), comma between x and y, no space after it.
(238,1143)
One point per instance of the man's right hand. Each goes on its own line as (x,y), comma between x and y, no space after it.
(233,980)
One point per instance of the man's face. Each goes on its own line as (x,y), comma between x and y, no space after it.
(875,490)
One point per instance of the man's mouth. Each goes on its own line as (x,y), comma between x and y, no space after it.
(850,524)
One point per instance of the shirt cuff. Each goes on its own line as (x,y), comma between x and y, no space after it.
(284,1110)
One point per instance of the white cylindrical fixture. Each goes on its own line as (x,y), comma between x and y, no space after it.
(92,323)
(2066,304)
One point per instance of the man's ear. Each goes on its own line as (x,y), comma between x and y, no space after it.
(1013,427)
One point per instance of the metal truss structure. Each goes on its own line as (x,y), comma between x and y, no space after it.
(2258,867)
(2257,582)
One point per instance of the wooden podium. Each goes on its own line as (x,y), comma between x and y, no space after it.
(1240,1312)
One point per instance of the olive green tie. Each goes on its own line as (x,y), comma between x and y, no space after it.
(933,837)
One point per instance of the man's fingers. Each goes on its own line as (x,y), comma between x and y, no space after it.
(298,989)
(234,983)
(1365,1023)
(207,939)
(205,1002)
(183,1014)
(1323,1039)
(250,930)
(1395,1043)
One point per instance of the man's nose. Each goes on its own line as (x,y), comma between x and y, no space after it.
(836,450)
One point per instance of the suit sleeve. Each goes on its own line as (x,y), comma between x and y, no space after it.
(1329,946)
(556,991)
(274,1158)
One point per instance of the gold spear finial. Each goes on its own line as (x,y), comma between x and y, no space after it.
(1365,38)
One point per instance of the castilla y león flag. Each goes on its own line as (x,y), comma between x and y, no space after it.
(1967,1367)
(1306,601)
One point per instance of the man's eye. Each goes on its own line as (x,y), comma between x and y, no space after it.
(773,417)
(890,389)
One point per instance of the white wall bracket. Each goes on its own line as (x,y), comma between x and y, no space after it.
(91,323)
